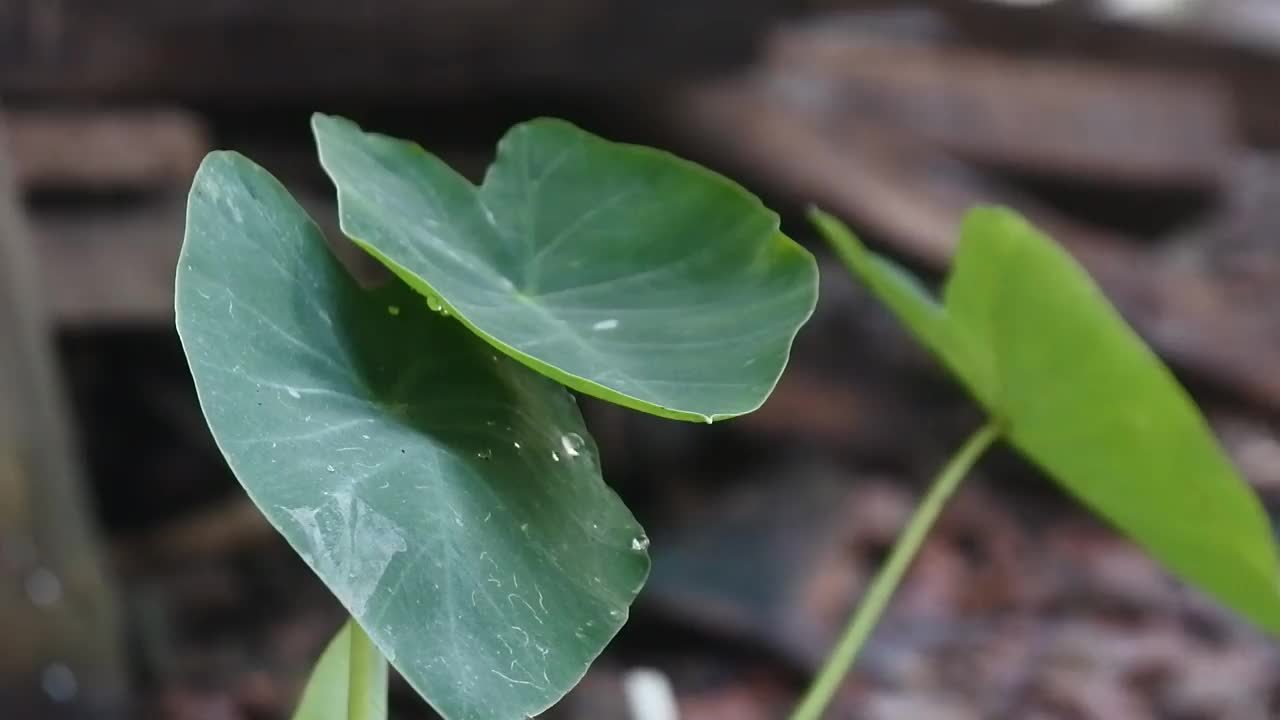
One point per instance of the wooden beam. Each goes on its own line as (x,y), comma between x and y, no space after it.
(911,196)
(1065,117)
(115,266)
(105,150)
(290,50)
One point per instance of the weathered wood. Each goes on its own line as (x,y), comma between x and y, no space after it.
(1247,69)
(61,655)
(116,266)
(1065,117)
(306,49)
(111,150)
(913,197)
(110,266)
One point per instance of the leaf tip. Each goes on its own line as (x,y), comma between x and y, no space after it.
(321,120)
(994,218)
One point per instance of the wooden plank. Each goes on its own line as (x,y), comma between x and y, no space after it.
(1247,69)
(307,49)
(115,265)
(1052,116)
(105,150)
(912,197)
(62,656)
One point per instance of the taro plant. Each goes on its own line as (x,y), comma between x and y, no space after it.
(415,442)
(1068,384)
(417,445)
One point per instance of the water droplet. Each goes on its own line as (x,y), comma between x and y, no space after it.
(43,588)
(59,683)
(609,324)
(516,444)
(434,303)
(572,444)
(555,456)
(329,468)
(524,527)
(294,394)
(393,310)
(485,454)
(640,544)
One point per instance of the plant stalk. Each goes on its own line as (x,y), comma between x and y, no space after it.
(890,576)
(362,694)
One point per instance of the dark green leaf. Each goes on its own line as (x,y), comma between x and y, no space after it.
(1036,342)
(620,271)
(450,497)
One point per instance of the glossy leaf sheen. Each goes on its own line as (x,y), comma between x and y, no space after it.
(349,682)
(1033,338)
(450,497)
(621,271)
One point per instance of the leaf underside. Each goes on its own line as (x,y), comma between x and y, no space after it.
(449,497)
(1031,336)
(620,271)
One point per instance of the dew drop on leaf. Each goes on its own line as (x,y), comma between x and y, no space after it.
(572,444)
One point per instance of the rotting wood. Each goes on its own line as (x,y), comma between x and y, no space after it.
(62,655)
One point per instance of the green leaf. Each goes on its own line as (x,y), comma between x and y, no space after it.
(1033,338)
(621,271)
(450,497)
(349,682)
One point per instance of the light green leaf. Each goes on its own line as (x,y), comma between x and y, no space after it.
(621,271)
(450,497)
(1033,338)
(349,682)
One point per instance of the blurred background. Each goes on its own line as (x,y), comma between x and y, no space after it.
(136,580)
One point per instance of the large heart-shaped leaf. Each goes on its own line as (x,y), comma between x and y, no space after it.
(620,271)
(449,496)
(1033,338)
